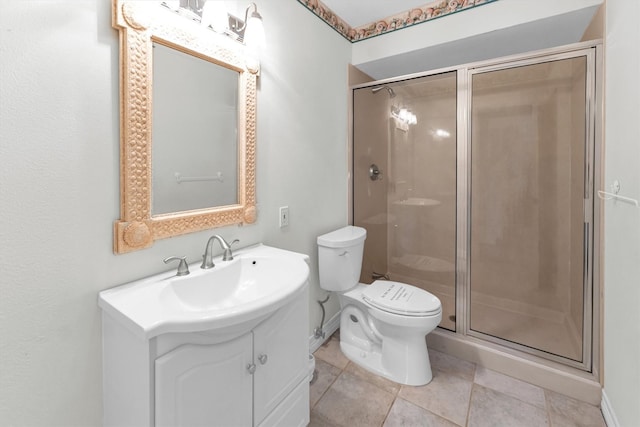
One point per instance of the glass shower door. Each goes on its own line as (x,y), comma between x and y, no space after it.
(407,131)
(529,208)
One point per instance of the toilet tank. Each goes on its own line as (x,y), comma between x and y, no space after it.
(340,258)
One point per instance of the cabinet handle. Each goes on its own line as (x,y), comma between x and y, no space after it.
(251,367)
(263,359)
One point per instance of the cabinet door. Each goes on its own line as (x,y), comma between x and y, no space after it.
(283,340)
(198,385)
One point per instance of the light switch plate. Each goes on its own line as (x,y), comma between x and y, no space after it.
(284,216)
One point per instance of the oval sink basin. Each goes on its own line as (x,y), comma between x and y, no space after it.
(229,284)
(259,280)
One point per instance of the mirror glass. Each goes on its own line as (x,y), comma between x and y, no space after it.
(195,132)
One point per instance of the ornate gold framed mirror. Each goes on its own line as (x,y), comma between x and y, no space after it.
(229,196)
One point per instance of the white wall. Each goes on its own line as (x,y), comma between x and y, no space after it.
(59,190)
(622,221)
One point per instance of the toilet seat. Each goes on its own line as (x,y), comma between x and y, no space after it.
(402,299)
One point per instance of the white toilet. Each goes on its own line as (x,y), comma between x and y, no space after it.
(383,325)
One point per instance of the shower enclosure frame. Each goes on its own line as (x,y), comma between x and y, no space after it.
(516,359)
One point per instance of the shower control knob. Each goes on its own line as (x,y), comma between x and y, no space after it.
(374,172)
(251,368)
(263,359)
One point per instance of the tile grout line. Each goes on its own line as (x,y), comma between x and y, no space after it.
(546,406)
(466,422)
(473,386)
(328,387)
(393,402)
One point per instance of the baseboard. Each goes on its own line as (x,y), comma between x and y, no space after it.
(329,328)
(607,411)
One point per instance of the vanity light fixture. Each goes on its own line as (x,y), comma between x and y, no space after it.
(251,30)
(191,9)
(213,15)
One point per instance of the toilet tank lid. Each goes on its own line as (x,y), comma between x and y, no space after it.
(343,237)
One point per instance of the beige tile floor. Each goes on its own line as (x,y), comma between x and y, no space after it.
(460,394)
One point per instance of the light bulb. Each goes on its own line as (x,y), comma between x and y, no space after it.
(254,33)
(214,14)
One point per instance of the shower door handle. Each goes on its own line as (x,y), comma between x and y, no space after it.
(374,172)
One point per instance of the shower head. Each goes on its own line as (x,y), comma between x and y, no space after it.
(379,88)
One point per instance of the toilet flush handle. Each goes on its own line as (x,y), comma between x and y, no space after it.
(344,253)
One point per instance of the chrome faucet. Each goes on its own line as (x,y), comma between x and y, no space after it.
(207,258)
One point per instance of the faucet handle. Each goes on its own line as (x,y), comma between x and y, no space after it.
(183,268)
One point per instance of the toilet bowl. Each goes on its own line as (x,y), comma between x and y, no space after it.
(382,325)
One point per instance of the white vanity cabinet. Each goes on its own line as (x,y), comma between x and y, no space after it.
(255,374)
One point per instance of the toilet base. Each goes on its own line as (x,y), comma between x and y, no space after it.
(413,371)
(386,344)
